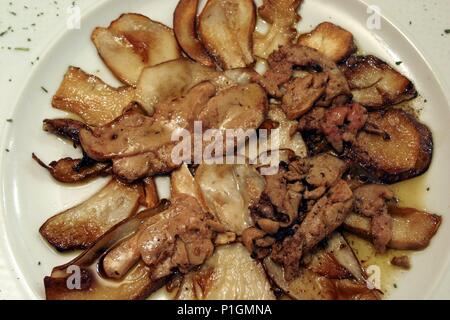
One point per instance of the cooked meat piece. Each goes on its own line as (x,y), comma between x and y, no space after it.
(133,42)
(146,164)
(332,41)
(372,201)
(65,128)
(282,15)
(411,229)
(302,93)
(342,124)
(226,28)
(375,84)
(285,190)
(284,195)
(185,28)
(90,98)
(70,170)
(328,213)
(257,242)
(336,125)
(402,262)
(312,121)
(403,152)
(325,170)
(129,135)
(181,241)
(282,65)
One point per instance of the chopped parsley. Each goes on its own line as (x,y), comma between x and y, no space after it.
(22,49)
(44,89)
(399,63)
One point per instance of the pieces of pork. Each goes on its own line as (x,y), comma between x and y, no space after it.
(183,239)
(178,239)
(337,125)
(328,213)
(301,179)
(372,201)
(301,91)
(342,124)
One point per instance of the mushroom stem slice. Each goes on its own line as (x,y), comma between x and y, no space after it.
(80,279)
(133,42)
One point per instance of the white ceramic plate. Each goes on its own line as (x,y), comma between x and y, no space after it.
(30,195)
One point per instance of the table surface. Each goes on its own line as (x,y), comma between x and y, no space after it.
(27,27)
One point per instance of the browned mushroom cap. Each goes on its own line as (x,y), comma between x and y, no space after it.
(375,84)
(133,42)
(332,41)
(226,28)
(403,151)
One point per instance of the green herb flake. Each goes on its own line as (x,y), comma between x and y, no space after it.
(399,63)
(9,120)
(447,31)
(44,89)
(22,49)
